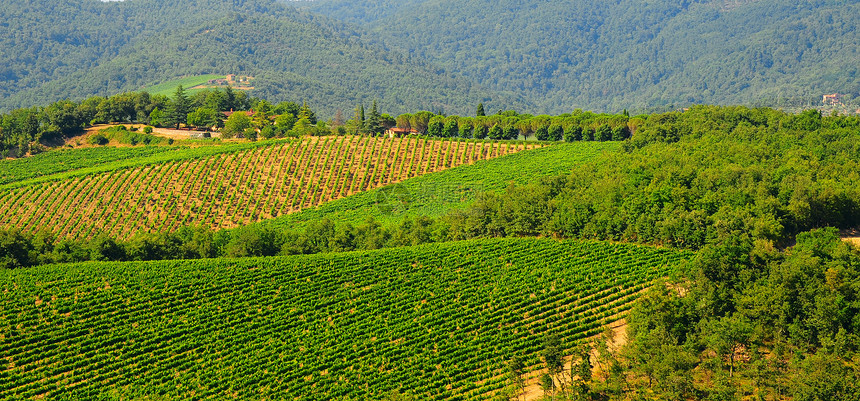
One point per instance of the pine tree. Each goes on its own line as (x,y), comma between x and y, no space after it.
(179,108)
(306,113)
(374,122)
(480,112)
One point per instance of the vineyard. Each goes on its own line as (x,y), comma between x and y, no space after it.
(45,164)
(221,189)
(440,193)
(438,320)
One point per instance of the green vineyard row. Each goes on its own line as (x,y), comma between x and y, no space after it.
(436,320)
(229,189)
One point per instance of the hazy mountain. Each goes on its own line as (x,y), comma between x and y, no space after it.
(87,47)
(533,55)
(627,53)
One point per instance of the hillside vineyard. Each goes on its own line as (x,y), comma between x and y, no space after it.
(233,189)
(439,319)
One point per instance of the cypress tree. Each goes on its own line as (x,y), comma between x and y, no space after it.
(480,112)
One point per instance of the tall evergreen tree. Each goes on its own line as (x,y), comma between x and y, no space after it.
(374,121)
(480,112)
(179,108)
(306,113)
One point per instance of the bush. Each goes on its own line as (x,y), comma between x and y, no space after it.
(98,139)
(147,129)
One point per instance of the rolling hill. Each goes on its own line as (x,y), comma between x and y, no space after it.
(436,321)
(220,186)
(633,54)
(441,55)
(104,48)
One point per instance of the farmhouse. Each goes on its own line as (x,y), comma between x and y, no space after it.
(832,100)
(398,132)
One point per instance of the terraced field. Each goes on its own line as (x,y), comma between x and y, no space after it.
(228,189)
(438,321)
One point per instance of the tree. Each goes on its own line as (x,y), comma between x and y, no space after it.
(156,117)
(542,134)
(547,384)
(180,106)
(556,132)
(465,127)
(230,102)
(603,133)
(573,133)
(434,128)
(421,120)
(553,358)
(480,112)
(727,336)
(254,240)
(358,124)
(15,248)
(307,113)
(496,133)
(236,124)
(338,119)
(284,123)
(260,119)
(287,108)
(516,370)
(374,122)
(404,121)
(620,133)
(511,132)
(480,131)
(587,134)
(450,130)
(582,371)
(105,248)
(203,118)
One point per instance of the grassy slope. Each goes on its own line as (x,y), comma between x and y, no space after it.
(439,193)
(169,87)
(439,320)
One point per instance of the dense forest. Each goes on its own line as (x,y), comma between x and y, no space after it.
(538,57)
(631,54)
(88,47)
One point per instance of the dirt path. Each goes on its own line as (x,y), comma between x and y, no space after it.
(851,236)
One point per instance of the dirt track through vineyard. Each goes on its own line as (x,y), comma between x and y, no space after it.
(233,189)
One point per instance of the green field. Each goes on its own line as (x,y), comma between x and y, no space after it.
(437,320)
(167,88)
(439,193)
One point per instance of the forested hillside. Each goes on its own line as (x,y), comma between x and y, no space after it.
(87,47)
(442,55)
(631,54)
